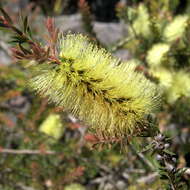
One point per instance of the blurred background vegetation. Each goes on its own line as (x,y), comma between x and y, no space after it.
(42,147)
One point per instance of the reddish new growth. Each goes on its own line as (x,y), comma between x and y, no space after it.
(53,34)
(34,50)
(100,141)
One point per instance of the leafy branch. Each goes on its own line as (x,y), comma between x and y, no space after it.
(27,48)
(167,162)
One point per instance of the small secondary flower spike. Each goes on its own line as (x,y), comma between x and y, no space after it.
(52,126)
(106,94)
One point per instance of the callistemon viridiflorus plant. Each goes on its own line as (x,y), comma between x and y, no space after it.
(109,96)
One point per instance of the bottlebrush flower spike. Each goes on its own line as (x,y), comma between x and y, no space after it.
(156,54)
(176,28)
(107,95)
(164,76)
(180,86)
(142,17)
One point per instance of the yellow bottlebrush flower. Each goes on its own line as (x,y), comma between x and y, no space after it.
(74,186)
(141,24)
(97,88)
(156,53)
(52,126)
(176,28)
(180,86)
(164,76)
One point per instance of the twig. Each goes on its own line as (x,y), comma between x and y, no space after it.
(38,114)
(152,177)
(142,158)
(87,19)
(148,179)
(12,151)
(119,44)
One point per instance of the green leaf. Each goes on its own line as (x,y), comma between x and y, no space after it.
(168,152)
(29,32)
(25,24)
(147,148)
